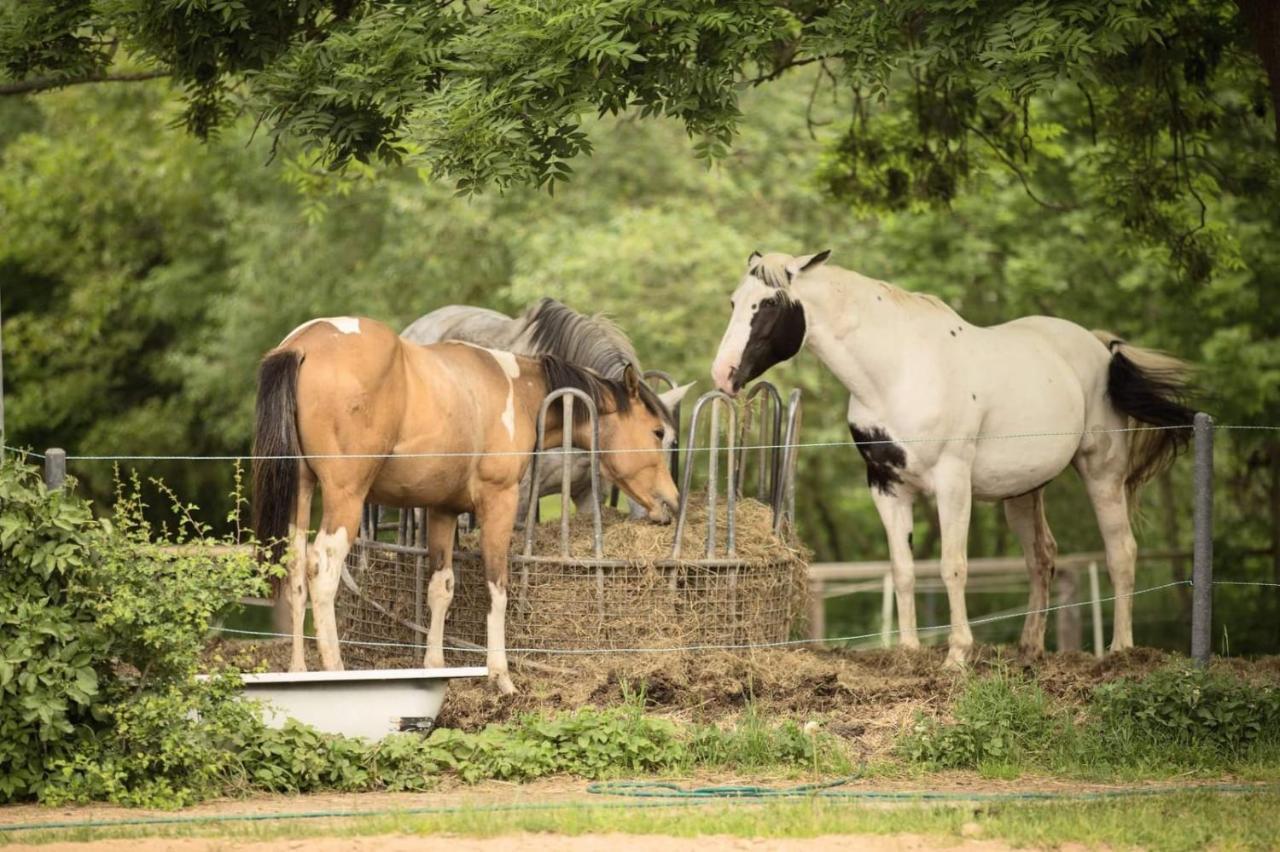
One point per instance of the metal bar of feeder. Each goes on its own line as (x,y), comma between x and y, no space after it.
(713,450)
(784,498)
(769,454)
(687,481)
(731,487)
(712,398)
(566,470)
(675,416)
(568,395)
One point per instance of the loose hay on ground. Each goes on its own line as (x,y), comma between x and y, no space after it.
(865,697)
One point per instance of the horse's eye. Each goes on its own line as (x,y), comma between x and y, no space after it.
(659,434)
(731,305)
(755,307)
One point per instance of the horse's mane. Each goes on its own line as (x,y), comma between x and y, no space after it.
(593,342)
(609,395)
(772,271)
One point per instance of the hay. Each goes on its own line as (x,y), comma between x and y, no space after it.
(636,597)
(646,543)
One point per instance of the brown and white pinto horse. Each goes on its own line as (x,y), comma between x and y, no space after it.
(345,403)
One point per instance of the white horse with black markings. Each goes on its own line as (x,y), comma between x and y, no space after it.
(1001,411)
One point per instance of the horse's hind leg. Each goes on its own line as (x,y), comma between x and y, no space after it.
(324,571)
(895,516)
(1104,482)
(295,584)
(496,516)
(440,529)
(1027,520)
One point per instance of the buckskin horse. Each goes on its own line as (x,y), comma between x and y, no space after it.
(346,404)
(925,389)
(546,327)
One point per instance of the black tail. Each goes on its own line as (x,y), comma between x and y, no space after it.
(1150,388)
(275,434)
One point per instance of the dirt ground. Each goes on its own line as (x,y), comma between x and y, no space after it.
(865,697)
(546,843)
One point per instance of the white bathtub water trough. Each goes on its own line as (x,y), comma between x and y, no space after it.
(367,704)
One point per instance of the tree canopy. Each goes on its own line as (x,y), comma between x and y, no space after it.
(937,91)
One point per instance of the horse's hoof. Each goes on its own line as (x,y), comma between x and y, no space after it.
(955,663)
(503,682)
(433,662)
(298,666)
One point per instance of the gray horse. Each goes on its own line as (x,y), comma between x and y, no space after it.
(546,327)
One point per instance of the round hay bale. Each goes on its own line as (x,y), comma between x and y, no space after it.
(633,596)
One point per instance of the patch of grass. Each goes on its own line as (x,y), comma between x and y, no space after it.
(1001,721)
(753,743)
(1180,821)
(1175,720)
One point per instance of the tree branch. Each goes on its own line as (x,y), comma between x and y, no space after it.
(42,84)
(1013,167)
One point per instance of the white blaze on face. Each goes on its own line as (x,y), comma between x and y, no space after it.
(345,325)
(746,300)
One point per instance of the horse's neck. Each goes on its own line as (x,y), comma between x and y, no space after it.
(866,333)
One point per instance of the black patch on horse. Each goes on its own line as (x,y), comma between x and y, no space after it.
(884,458)
(777,333)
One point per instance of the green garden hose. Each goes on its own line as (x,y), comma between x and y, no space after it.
(830,790)
(663,795)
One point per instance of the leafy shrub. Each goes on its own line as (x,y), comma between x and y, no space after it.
(1183,711)
(1000,718)
(101,627)
(589,743)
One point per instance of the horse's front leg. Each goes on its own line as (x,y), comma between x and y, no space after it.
(953,489)
(497,514)
(894,505)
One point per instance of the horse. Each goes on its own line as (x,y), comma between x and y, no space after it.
(915,369)
(346,404)
(546,327)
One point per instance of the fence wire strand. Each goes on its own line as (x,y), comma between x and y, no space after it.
(243,457)
(745,646)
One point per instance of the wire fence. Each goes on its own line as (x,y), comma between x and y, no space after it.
(832,641)
(949,439)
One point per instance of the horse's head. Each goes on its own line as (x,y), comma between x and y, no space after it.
(636,431)
(637,436)
(767,325)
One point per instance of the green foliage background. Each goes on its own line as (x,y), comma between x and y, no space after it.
(143,272)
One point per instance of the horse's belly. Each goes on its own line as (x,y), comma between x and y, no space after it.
(1009,466)
(424,482)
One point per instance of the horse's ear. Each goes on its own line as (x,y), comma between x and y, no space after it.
(631,379)
(753,261)
(671,398)
(807,262)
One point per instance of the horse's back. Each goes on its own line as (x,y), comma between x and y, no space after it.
(481,326)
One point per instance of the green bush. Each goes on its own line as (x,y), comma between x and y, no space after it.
(101,627)
(1182,714)
(1173,719)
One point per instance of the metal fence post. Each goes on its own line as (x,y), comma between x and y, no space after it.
(55,468)
(1202,566)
